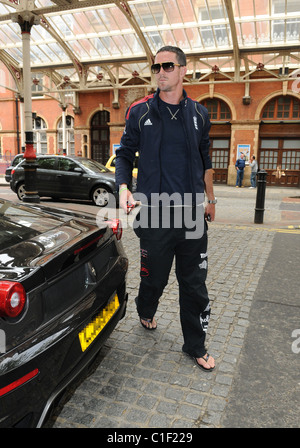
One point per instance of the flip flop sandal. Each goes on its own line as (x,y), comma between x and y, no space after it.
(149,321)
(205,357)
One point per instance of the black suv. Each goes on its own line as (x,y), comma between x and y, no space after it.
(68,177)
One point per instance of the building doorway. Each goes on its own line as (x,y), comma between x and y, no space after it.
(219,154)
(100,137)
(280,157)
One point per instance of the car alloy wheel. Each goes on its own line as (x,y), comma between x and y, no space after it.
(21,192)
(100,196)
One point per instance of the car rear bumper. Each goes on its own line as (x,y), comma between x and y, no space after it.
(84,362)
(57,364)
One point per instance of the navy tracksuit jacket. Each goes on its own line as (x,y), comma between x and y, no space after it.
(143,134)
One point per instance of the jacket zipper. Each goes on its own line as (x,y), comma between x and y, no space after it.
(199,113)
(143,116)
(189,150)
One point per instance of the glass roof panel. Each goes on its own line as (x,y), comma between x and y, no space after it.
(194,39)
(187,11)
(15,53)
(134,44)
(95,24)
(80,48)
(48,51)
(172,12)
(60,54)
(98,48)
(103,32)
(43,3)
(60,25)
(4,9)
(85,21)
(263,31)
(207,36)
(157,12)
(73,25)
(248,33)
(3,38)
(119,19)
(38,55)
(12,33)
(261,7)
(143,15)
(154,40)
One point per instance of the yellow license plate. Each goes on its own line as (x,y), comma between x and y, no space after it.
(91,331)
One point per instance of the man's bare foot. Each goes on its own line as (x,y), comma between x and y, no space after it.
(149,324)
(207,362)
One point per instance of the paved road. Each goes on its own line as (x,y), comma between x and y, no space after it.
(143,380)
(266,386)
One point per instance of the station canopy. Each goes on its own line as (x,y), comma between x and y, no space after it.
(89,45)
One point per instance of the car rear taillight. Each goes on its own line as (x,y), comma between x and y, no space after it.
(116,226)
(12,298)
(12,171)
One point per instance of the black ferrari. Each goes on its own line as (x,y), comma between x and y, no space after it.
(62,292)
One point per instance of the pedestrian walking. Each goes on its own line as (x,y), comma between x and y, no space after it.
(171,133)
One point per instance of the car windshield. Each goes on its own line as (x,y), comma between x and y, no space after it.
(94,166)
(17,160)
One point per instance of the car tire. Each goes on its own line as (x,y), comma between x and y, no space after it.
(21,192)
(100,195)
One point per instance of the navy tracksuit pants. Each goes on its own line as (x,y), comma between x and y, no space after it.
(158,247)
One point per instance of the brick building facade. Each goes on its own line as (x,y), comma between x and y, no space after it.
(265,123)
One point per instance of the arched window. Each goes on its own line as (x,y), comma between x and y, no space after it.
(217,109)
(70,145)
(282,108)
(39,135)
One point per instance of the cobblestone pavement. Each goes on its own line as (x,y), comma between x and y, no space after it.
(142,379)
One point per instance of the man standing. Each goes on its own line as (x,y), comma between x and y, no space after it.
(240,166)
(254,167)
(170,131)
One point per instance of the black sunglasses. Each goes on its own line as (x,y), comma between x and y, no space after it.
(167,67)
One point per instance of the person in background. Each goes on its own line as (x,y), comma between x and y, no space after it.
(254,167)
(240,167)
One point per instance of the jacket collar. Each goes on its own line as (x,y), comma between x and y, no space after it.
(183,102)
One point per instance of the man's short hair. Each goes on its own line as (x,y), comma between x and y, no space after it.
(181,58)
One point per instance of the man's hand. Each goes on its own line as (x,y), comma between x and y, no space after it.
(127,202)
(210,210)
